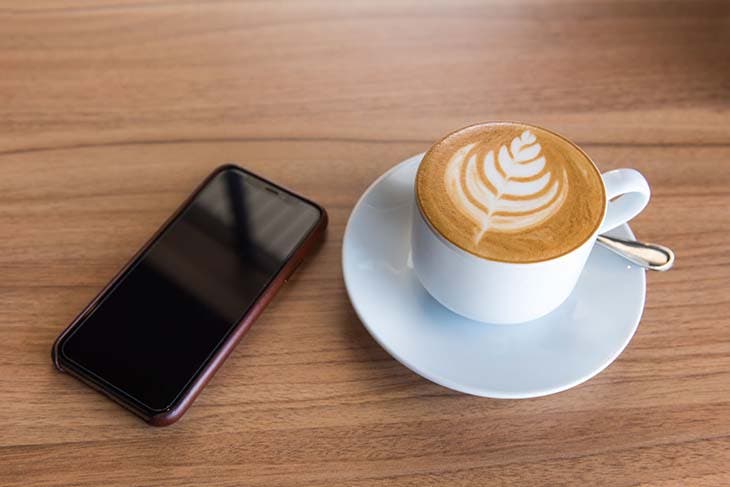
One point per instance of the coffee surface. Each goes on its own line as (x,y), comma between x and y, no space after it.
(510,192)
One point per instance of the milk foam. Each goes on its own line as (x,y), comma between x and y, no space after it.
(514,191)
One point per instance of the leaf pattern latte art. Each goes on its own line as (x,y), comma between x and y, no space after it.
(514,191)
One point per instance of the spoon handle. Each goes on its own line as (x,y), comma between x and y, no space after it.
(647,255)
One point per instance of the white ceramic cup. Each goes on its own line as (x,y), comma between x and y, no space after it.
(504,293)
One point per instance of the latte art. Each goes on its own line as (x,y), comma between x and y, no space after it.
(511,192)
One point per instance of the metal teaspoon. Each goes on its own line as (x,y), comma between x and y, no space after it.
(647,255)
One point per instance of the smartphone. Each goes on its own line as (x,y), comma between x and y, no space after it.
(156,334)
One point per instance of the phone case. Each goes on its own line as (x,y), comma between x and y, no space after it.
(197,385)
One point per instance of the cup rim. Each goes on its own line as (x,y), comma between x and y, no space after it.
(462,250)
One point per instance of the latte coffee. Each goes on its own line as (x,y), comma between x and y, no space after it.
(510,192)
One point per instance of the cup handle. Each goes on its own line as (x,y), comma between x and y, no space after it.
(627,193)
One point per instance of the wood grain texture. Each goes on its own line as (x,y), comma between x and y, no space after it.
(111,111)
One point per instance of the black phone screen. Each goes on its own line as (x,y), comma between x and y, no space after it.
(166,316)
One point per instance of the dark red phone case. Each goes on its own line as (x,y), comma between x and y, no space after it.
(186,399)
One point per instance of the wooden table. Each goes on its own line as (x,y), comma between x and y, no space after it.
(112,110)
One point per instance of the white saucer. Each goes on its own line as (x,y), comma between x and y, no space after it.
(551,354)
